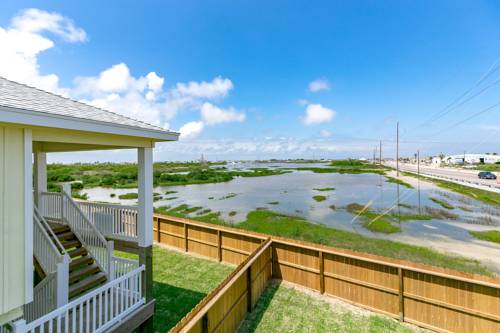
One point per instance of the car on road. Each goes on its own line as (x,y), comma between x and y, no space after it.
(486,175)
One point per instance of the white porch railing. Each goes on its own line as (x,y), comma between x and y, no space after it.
(94,312)
(50,205)
(116,221)
(123,266)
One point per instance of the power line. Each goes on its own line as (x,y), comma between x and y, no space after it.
(453,105)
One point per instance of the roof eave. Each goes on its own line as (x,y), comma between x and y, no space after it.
(36,118)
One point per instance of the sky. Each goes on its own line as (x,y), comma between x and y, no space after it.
(270,79)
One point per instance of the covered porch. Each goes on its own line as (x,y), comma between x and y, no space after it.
(73,279)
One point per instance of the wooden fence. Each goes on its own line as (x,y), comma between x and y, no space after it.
(437,299)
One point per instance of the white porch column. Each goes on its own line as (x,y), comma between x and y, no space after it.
(40,174)
(145,226)
(145,179)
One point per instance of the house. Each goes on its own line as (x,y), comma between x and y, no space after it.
(58,266)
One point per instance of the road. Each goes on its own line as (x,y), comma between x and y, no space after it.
(465,177)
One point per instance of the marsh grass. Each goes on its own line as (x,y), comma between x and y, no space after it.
(319,198)
(442,203)
(128,196)
(397,181)
(325,189)
(490,235)
(296,227)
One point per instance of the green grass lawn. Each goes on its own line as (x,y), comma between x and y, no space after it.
(490,235)
(181,281)
(285,309)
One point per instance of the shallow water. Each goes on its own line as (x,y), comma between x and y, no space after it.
(294,192)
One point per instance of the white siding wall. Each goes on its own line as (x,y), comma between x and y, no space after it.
(13,251)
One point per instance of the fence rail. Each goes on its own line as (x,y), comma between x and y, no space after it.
(434,298)
(94,312)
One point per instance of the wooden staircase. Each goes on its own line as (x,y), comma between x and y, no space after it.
(84,273)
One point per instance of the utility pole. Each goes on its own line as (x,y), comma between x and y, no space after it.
(380,153)
(397,148)
(374,152)
(418,163)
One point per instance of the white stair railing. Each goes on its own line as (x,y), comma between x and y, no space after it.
(53,290)
(112,220)
(95,243)
(45,251)
(94,312)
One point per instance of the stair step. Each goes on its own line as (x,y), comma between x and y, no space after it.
(86,284)
(59,228)
(70,244)
(82,273)
(82,261)
(66,235)
(80,251)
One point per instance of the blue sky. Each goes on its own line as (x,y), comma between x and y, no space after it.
(239,72)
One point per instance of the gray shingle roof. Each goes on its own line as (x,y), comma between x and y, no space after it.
(20,96)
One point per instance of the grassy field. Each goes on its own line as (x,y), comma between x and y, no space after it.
(285,309)
(124,175)
(272,223)
(488,197)
(489,167)
(490,235)
(180,282)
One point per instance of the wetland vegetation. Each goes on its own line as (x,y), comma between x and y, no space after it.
(296,227)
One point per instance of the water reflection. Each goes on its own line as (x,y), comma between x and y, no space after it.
(293,193)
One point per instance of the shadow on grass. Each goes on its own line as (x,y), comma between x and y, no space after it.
(172,304)
(253,319)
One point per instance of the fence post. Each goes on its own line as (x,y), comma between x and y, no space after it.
(185,237)
(321,273)
(158,236)
(219,244)
(249,289)
(19,326)
(204,323)
(111,263)
(401,295)
(62,281)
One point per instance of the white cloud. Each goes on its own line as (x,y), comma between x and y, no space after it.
(34,20)
(319,85)
(303,102)
(318,114)
(219,87)
(212,114)
(23,40)
(325,133)
(191,130)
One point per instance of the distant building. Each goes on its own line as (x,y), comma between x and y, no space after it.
(467,159)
